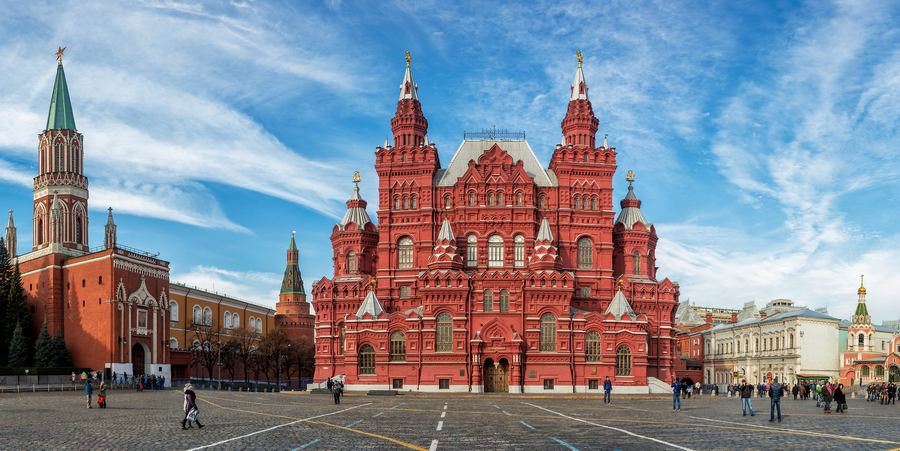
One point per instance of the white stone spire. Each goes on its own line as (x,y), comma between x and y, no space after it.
(11,236)
(544,233)
(370,305)
(446,232)
(579,87)
(619,306)
(605,142)
(386,145)
(109,237)
(408,89)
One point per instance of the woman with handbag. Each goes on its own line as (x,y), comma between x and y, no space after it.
(191,411)
(840,398)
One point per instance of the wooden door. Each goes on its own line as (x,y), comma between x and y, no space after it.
(137,360)
(503,376)
(490,376)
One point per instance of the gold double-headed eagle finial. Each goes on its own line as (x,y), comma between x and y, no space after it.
(356,177)
(579,58)
(59,55)
(630,177)
(408,58)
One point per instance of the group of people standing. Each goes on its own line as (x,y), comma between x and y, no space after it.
(884,393)
(337,390)
(151,381)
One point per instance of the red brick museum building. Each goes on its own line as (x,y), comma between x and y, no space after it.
(495,274)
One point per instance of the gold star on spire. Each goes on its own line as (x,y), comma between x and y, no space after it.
(579,58)
(59,54)
(408,59)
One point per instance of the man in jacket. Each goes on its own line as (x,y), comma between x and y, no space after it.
(88,390)
(676,395)
(607,390)
(795,390)
(827,396)
(746,393)
(775,393)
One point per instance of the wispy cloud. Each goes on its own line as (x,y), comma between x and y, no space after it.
(258,287)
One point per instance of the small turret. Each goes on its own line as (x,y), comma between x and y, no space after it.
(11,236)
(109,236)
(445,254)
(546,254)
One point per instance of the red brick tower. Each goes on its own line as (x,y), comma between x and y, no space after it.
(292,310)
(60,189)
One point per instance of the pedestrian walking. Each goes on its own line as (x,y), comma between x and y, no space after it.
(330,385)
(336,391)
(83,376)
(827,396)
(676,395)
(775,393)
(88,390)
(607,391)
(190,403)
(840,398)
(795,391)
(746,393)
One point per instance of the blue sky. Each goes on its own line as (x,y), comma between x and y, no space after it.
(764,135)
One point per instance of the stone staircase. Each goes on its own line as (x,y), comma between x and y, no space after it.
(658,387)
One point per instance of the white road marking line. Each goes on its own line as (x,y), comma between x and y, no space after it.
(610,427)
(443,414)
(440,425)
(433,445)
(792,430)
(276,427)
(445,407)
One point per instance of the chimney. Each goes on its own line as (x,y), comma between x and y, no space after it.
(733,318)
(709,318)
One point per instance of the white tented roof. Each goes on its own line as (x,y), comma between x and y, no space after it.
(472,149)
(370,305)
(619,306)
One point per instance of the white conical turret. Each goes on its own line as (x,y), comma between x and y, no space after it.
(579,87)
(11,236)
(408,89)
(109,236)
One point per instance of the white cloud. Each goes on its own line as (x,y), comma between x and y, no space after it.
(257,287)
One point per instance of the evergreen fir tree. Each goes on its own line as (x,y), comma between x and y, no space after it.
(60,351)
(43,348)
(16,310)
(18,350)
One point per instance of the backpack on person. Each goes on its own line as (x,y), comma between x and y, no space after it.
(101,401)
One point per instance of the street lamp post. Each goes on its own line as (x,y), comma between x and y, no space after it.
(278,376)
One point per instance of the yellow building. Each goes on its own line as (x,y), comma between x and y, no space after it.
(191,305)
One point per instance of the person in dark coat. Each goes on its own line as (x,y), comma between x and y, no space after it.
(840,398)
(336,391)
(746,392)
(827,396)
(190,402)
(330,385)
(775,394)
(88,390)
(795,390)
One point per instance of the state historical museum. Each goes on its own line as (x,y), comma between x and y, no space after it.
(494,274)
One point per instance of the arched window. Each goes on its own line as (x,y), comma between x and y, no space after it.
(594,203)
(444,333)
(59,158)
(397,203)
(543,203)
(623,361)
(548,332)
(398,347)
(592,347)
(472,199)
(173,343)
(40,233)
(227,321)
(78,229)
(577,202)
(862,339)
(504,301)
(491,199)
(259,324)
(235,320)
(495,251)
(173,311)
(500,198)
(879,371)
(251,323)
(585,253)
(405,203)
(519,200)
(406,253)
(404,158)
(519,241)
(196,345)
(472,251)
(366,359)
(351,262)
(74,159)
(415,202)
(207,316)
(637,262)
(343,339)
(864,371)
(488,301)
(198,315)
(448,202)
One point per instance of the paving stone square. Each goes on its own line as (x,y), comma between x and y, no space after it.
(299,421)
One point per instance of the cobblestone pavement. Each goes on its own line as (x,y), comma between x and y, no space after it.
(294,421)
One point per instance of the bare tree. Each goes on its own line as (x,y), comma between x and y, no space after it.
(299,359)
(207,352)
(243,341)
(275,345)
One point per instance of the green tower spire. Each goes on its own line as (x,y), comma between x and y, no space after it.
(60,106)
(292,282)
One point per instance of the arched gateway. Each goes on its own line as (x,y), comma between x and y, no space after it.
(496,375)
